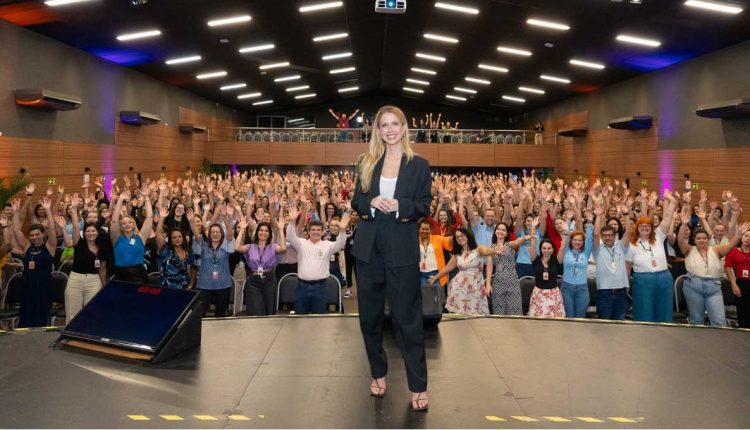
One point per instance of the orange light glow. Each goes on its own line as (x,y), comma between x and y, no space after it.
(27,13)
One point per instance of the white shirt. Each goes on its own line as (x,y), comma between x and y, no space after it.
(427,261)
(643,253)
(710,268)
(314,258)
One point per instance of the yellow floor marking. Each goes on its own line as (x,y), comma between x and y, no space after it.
(262,417)
(622,419)
(494,418)
(557,419)
(525,419)
(139,418)
(238,418)
(589,419)
(172,417)
(206,417)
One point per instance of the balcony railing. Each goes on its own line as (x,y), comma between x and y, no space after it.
(361,135)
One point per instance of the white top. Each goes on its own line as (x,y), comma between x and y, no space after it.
(314,258)
(647,257)
(387,189)
(712,267)
(388,186)
(427,261)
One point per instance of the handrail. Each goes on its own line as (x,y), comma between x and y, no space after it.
(362,135)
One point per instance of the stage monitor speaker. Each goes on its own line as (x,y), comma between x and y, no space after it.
(641,122)
(137,321)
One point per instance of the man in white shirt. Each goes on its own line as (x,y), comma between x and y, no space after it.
(314,256)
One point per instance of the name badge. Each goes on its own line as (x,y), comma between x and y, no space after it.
(612,266)
(545,276)
(423,266)
(653,263)
(745,274)
(132,241)
(97,263)
(260,271)
(320,253)
(215,275)
(333,258)
(32,264)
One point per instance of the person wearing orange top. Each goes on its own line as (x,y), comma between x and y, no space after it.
(431,255)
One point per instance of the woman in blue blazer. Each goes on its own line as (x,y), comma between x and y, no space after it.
(392,194)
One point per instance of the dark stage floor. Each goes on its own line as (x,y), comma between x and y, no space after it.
(312,372)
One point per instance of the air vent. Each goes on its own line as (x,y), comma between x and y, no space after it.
(573,132)
(730,109)
(632,123)
(192,128)
(134,117)
(45,99)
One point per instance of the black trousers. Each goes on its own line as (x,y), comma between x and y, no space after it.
(351,266)
(260,294)
(220,299)
(743,304)
(375,279)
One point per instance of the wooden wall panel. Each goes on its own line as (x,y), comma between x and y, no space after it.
(297,154)
(428,151)
(344,153)
(466,155)
(250,153)
(525,155)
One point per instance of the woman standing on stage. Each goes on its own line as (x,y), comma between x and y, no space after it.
(392,194)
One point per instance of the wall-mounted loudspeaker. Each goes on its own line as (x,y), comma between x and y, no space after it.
(135,117)
(191,128)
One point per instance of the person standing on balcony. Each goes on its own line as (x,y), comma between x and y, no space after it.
(538,133)
(343,122)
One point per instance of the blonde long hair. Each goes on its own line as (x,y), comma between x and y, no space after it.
(367,161)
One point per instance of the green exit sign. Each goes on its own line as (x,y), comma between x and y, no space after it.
(696,186)
(51,181)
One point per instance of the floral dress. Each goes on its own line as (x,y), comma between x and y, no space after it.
(465,289)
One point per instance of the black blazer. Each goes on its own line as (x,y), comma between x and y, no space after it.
(414,195)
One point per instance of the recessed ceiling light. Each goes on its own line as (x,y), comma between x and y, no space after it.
(348,89)
(248,96)
(342,70)
(299,88)
(423,71)
(321,6)
(440,38)
(638,40)
(233,86)
(477,80)
(181,60)
(54,3)
(210,75)
(547,24)
(274,65)
(414,90)
(588,64)
(304,96)
(326,37)
(417,81)
(514,99)
(452,97)
(531,90)
(257,48)
(555,79)
(139,35)
(296,120)
(514,51)
(430,57)
(457,8)
(493,68)
(714,6)
(465,90)
(337,56)
(263,102)
(229,20)
(287,78)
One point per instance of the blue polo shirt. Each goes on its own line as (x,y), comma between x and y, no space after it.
(575,265)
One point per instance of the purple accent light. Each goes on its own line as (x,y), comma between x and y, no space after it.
(665,171)
(123,57)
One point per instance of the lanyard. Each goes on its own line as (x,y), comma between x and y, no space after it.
(424,250)
(650,248)
(611,253)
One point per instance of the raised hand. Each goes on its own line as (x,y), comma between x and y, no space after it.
(744,228)
(75,201)
(293,214)
(60,221)
(30,188)
(163,212)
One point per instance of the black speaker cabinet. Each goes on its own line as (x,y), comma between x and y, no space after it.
(137,321)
